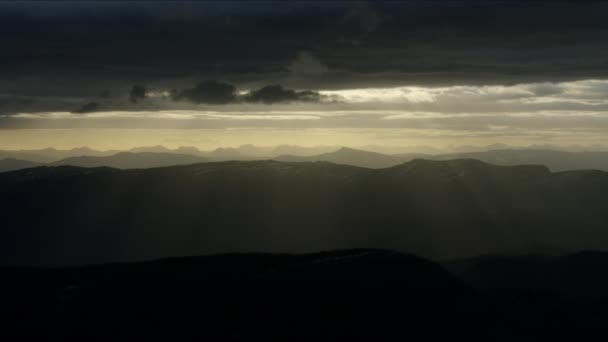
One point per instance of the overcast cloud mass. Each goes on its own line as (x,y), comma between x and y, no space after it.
(351,73)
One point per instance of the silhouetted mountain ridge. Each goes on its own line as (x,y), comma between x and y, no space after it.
(130,160)
(337,295)
(348,156)
(439,209)
(554,160)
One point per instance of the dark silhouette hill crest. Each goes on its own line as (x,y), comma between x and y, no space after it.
(339,295)
(346,295)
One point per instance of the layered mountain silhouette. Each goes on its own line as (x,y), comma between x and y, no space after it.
(554,160)
(155,156)
(244,152)
(350,156)
(10,164)
(49,155)
(438,209)
(129,160)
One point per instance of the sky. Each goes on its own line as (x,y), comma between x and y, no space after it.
(432,73)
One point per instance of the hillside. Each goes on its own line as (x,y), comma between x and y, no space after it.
(338,296)
(578,274)
(438,209)
(343,295)
(554,160)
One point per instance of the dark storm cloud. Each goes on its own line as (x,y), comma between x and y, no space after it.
(211,92)
(137,93)
(88,108)
(220,93)
(356,44)
(142,98)
(277,94)
(15,101)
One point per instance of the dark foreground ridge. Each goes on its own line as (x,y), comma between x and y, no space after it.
(346,295)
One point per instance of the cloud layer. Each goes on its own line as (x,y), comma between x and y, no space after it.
(500,71)
(568,111)
(301,45)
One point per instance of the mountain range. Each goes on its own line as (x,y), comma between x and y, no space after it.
(554,160)
(159,156)
(436,209)
(130,160)
(354,157)
(49,155)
